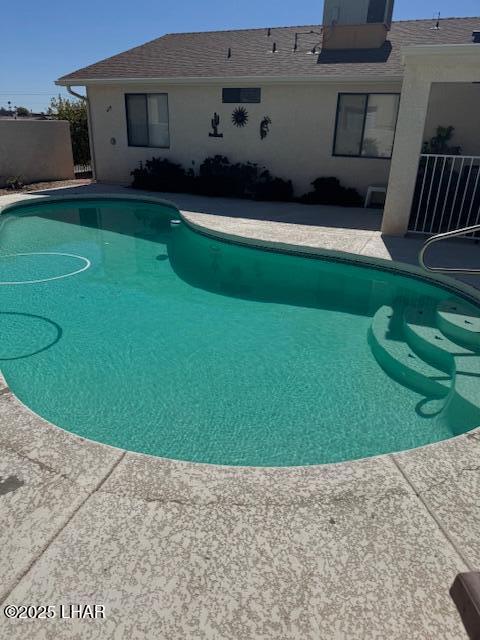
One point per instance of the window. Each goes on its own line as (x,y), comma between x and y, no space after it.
(366,124)
(147,119)
(241,95)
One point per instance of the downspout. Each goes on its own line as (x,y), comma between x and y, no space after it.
(90,132)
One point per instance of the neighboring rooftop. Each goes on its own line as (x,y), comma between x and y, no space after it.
(206,54)
(32,116)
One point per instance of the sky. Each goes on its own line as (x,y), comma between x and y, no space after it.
(43,40)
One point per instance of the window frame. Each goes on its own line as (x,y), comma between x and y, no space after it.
(146,94)
(337,117)
(240,89)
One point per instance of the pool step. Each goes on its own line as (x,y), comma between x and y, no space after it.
(426,339)
(401,362)
(422,334)
(460,321)
(416,353)
(463,405)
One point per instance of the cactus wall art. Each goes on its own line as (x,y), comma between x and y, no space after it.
(215,123)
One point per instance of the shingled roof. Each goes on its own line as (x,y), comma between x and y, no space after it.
(206,54)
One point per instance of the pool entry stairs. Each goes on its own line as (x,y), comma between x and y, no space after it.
(434,351)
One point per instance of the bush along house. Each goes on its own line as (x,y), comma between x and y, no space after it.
(352,100)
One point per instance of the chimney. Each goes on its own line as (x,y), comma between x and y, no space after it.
(356,24)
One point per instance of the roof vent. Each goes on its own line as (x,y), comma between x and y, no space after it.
(436,26)
(476,37)
(229,53)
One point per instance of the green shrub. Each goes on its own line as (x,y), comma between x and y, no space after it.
(23,112)
(218,177)
(15,183)
(159,174)
(273,189)
(439,144)
(75,111)
(330,191)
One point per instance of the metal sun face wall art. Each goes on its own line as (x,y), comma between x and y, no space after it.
(240,116)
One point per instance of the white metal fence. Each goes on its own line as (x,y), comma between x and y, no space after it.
(447,194)
(80,169)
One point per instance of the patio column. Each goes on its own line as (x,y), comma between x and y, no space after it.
(406,152)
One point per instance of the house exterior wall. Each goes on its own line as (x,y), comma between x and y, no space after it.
(35,150)
(299,146)
(456,105)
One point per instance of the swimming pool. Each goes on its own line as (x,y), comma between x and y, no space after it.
(122,327)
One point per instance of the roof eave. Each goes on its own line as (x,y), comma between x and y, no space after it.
(429,50)
(77,82)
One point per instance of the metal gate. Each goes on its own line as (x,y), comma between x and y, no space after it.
(447,194)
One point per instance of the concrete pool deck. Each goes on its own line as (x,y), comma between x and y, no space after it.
(364,549)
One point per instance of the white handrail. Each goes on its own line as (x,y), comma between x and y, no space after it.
(444,236)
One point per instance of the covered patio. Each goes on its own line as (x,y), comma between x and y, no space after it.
(434,183)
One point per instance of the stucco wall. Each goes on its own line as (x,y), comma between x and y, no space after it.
(298,147)
(35,150)
(456,105)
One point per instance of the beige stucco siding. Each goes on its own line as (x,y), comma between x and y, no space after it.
(457,105)
(299,145)
(35,150)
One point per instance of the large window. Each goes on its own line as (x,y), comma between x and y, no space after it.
(147,119)
(366,124)
(241,95)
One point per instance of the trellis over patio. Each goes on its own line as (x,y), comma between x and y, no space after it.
(433,193)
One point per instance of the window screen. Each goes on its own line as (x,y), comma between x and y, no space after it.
(380,123)
(366,124)
(147,120)
(351,112)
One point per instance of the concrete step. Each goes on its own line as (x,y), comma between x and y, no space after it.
(462,406)
(401,363)
(426,339)
(460,321)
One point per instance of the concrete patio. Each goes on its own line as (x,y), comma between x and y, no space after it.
(364,549)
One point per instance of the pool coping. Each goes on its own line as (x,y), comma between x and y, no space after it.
(153,479)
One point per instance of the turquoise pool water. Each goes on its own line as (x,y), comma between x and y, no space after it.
(157,339)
